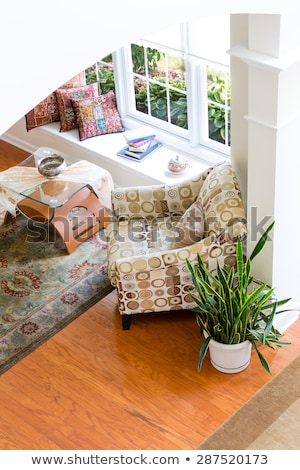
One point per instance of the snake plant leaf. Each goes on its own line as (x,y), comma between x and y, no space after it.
(210,290)
(261,242)
(239,262)
(262,359)
(270,321)
(279,303)
(205,307)
(203,351)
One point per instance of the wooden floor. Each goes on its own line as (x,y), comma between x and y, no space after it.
(95,386)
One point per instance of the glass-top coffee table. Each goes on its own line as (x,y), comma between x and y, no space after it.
(69,202)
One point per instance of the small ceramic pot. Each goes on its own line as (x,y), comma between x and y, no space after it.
(177,164)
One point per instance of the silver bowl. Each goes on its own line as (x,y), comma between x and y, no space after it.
(52,166)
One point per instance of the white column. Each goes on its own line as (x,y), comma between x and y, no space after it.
(273,187)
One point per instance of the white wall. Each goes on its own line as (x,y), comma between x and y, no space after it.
(43,44)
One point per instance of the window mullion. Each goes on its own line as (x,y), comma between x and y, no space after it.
(123,86)
(167,87)
(147,81)
(193,85)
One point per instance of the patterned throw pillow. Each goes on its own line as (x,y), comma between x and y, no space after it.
(47,110)
(64,99)
(97,116)
(188,230)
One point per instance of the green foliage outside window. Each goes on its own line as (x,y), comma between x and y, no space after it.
(218,94)
(105,75)
(157,91)
(105,78)
(159,105)
(138,58)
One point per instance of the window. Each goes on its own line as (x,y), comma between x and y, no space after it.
(159,82)
(102,71)
(176,81)
(218,107)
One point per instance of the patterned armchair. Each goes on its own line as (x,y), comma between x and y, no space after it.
(148,271)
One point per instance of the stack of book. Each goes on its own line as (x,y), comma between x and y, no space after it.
(140,144)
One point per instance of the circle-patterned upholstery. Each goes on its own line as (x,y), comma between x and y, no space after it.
(150,278)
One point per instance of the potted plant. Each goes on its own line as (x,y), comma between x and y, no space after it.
(235,310)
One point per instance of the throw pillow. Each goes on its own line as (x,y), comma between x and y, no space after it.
(64,100)
(47,110)
(97,116)
(188,230)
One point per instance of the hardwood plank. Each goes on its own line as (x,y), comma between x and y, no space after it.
(95,386)
(10,155)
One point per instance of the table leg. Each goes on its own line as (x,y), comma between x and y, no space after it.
(73,228)
(8,218)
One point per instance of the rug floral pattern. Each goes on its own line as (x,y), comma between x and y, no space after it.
(42,288)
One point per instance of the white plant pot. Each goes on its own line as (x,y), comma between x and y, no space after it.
(230,358)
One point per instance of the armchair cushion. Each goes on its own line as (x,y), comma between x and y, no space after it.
(189,229)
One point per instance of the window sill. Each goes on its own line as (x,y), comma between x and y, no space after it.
(102,151)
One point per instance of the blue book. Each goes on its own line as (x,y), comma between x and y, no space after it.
(138,156)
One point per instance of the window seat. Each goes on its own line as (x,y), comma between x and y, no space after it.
(102,150)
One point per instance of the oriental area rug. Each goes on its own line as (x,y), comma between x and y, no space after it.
(42,288)
(270,420)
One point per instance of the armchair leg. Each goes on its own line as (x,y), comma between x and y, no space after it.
(126,322)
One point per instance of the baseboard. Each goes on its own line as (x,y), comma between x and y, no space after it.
(20,143)
(285,320)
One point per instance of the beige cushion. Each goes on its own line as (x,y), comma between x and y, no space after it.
(188,230)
